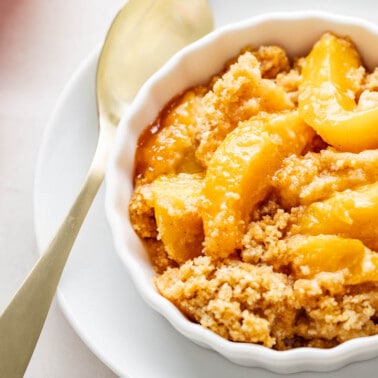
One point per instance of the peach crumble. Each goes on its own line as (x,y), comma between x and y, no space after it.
(256,196)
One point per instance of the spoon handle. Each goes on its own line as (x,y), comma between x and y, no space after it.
(22,320)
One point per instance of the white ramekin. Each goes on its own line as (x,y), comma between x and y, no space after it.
(296,32)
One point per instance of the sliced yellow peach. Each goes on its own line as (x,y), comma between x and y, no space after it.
(327,96)
(176,204)
(324,253)
(235,97)
(238,176)
(168,145)
(310,255)
(351,213)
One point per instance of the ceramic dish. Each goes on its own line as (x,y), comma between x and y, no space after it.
(296,32)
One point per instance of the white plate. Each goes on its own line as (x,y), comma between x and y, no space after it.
(96,293)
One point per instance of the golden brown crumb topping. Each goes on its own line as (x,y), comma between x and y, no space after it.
(256,196)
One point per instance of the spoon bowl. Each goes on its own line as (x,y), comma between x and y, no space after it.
(144,34)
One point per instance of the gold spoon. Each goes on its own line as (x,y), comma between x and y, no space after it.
(144,34)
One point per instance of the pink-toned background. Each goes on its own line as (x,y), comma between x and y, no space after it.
(41,44)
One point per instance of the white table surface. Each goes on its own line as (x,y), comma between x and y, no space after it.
(41,44)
